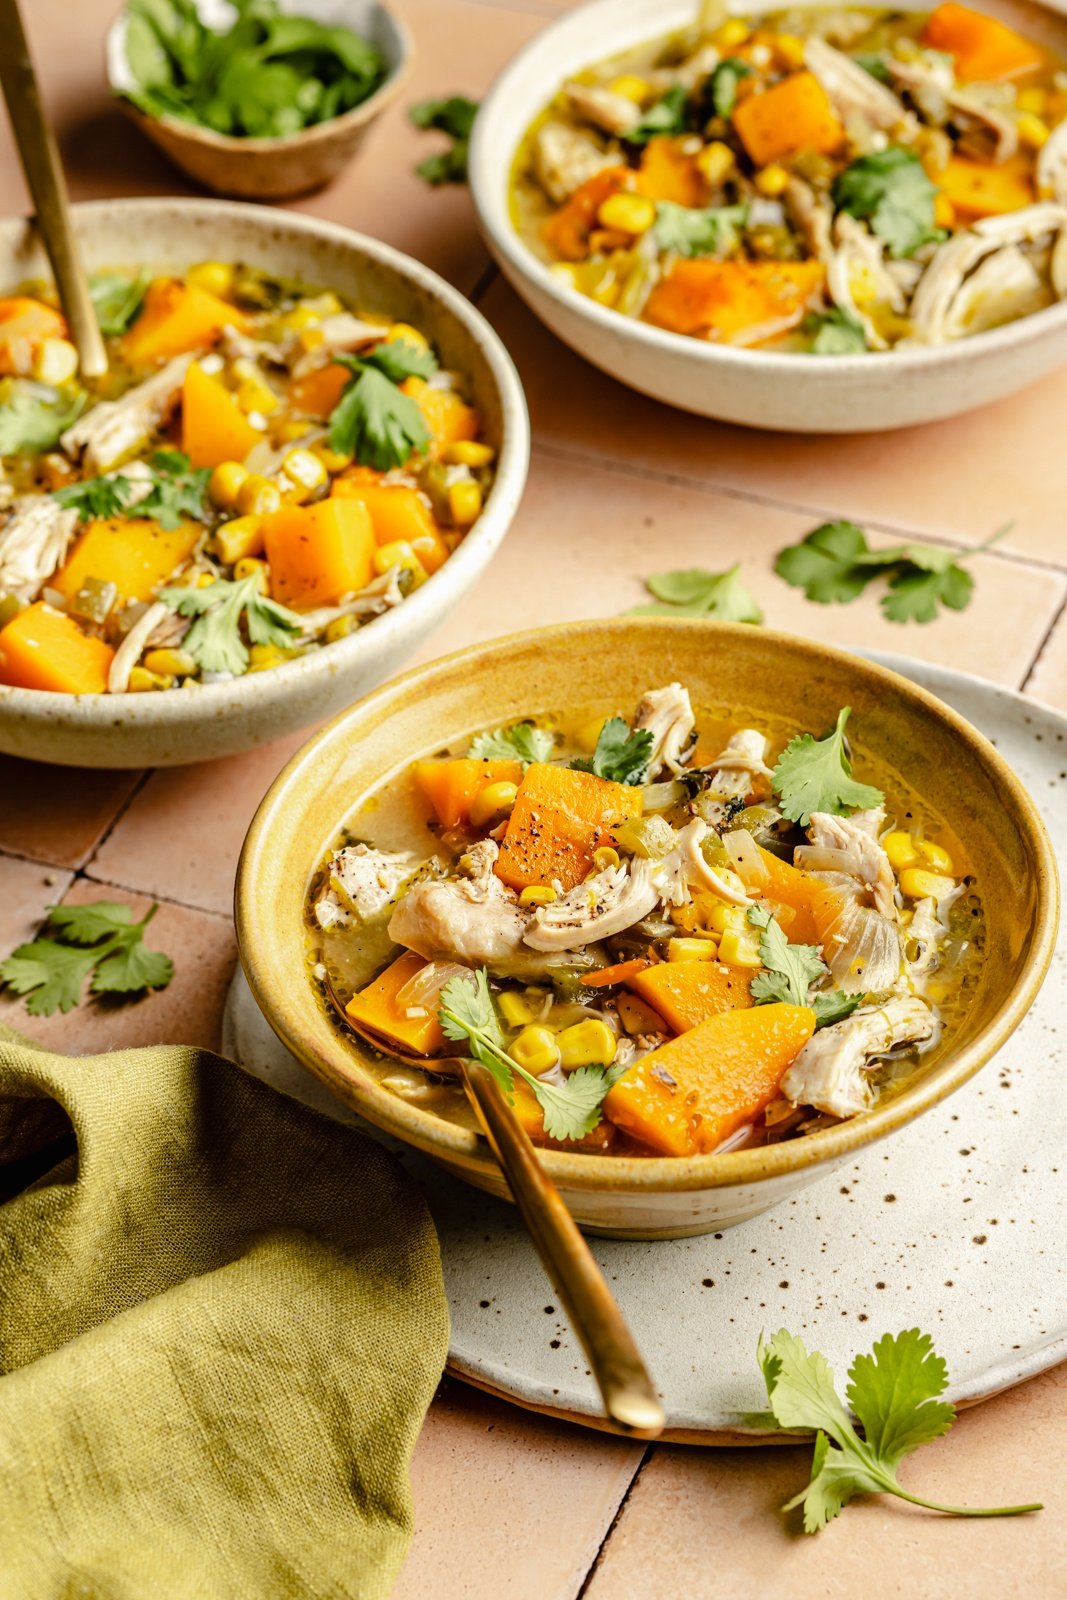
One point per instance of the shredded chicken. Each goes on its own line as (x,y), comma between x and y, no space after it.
(338,334)
(811,216)
(830,1071)
(564,159)
(852,91)
(236,345)
(668,715)
(114,429)
(1052,166)
(475,919)
(743,759)
(698,872)
(934,306)
(381,594)
(133,647)
(858,279)
(605,904)
(363,881)
(33,543)
(612,113)
(859,835)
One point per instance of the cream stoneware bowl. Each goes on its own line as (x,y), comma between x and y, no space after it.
(194,724)
(749,672)
(762,388)
(273,169)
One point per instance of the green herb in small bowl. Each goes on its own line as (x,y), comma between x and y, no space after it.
(257,98)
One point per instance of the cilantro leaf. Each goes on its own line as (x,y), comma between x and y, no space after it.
(178,490)
(665,116)
(833,1005)
(914,596)
(453,116)
(102,939)
(29,424)
(693,592)
(397,359)
(696,231)
(722,85)
(834,563)
(791,968)
(214,640)
(816,775)
(894,1395)
(890,190)
(834,333)
(116,298)
(521,742)
(570,1109)
(620,755)
(96,497)
(829,563)
(874,64)
(374,420)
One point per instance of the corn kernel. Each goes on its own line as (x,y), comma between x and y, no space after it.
(256,396)
(739,949)
(246,370)
(468,453)
(918,884)
(715,163)
(243,536)
(170,663)
(205,580)
(631,87)
(691,950)
(326,304)
(214,276)
(1032,131)
(936,857)
(141,681)
(732,33)
(331,459)
(250,567)
(586,1044)
(257,496)
(944,212)
(516,1010)
(299,318)
(55,361)
(901,850)
(464,502)
(1034,101)
(605,857)
(536,1049)
(722,917)
(310,338)
(772,180)
(538,894)
(789,48)
(627,213)
(305,472)
(493,803)
(225,481)
(338,629)
(399,554)
(290,432)
(262,656)
(404,331)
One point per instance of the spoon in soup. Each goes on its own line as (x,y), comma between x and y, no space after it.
(44,175)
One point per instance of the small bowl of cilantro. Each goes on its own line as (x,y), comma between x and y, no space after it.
(263,99)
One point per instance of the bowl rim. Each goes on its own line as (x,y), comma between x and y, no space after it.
(178,707)
(646,1174)
(492,156)
(319,133)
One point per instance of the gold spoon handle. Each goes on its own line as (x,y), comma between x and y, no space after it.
(44,175)
(630,1401)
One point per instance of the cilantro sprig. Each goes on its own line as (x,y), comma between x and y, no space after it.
(696,231)
(890,190)
(176,492)
(665,116)
(816,775)
(374,420)
(214,641)
(893,1393)
(621,756)
(834,333)
(721,87)
(834,563)
(695,592)
(791,969)
(523,741)
(453,116)
(102,939)
(571,1110)
(117,299)
(29,423)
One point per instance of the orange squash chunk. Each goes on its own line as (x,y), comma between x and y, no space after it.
(987,189)
(177,316)
(557,819)
(45,649)
(318,553)
(795,114)
(450,787)
(318,392)
(133,553)
(727,298)
(984,49)
(788,886)
(449,419)
(375,1008)
(397,512)
(688,1096)
(667,173)
(214,428)
(25,322)
(567,232)
(686,993)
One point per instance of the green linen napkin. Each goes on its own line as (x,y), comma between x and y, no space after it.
(222,1319)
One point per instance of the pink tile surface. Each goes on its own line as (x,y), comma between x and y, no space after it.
(28,889)
(58,814)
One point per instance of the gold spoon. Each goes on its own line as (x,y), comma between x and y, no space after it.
(48,189)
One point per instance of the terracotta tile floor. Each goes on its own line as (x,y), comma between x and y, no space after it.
(511,1506)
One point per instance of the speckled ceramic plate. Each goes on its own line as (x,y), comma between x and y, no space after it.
(957,1224)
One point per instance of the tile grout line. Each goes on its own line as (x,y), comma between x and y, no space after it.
(703,486)
(115,820)
(609,1531)
(489,276)
(84,876)
(1039,652)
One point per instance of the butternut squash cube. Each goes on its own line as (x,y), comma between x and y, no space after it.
(448,418)
(175,317)
(559,818)
(318,553)
(318,392)
(134,553)
(42,648)
(667,173)
(398,514)
(987,189)
(984,49)
(728,298)
(793,115)
(375,1008)
(686,993)
(214,428)
(452,786)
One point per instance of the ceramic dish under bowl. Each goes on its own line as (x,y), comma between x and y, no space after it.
(800,393)
(174,726)
(754,673)
(273,169)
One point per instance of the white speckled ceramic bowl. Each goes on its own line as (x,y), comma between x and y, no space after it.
(273,169)
(762,388)
(195,724)
(755,671)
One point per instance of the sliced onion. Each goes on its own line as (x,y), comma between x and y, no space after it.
(658,796)
(823,858)
(862,950)
(422,992)
(745,857)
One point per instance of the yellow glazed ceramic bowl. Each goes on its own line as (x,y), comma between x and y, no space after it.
(751,671)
